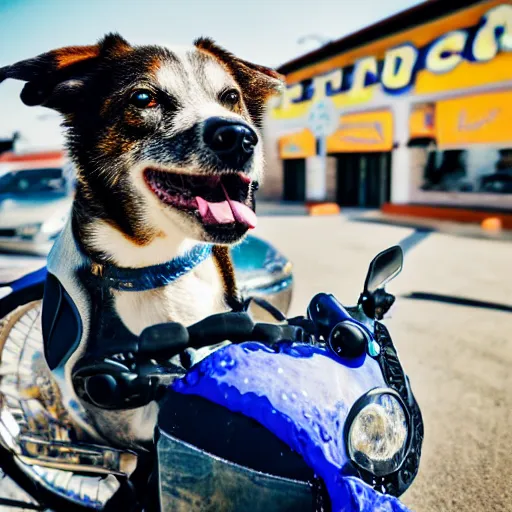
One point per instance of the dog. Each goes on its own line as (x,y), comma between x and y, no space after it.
(167,147)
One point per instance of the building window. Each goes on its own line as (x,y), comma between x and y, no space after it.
(478,170)
(500,181)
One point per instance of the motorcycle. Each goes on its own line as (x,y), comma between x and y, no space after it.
(312,413)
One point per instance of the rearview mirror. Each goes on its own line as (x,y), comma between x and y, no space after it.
(384,267)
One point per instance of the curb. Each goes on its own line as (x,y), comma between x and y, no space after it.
(315,209)
(490,220)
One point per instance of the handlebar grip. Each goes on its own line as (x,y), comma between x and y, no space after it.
(272,333)
(269,333)
(164,339)
(220,327)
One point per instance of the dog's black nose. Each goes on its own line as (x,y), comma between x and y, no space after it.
(233,142)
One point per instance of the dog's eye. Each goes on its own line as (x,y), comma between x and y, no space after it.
(230,97)
(143,98)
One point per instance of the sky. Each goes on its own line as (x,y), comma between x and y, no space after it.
(263,31)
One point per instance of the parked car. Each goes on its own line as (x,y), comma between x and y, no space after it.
(34,201)
(497,183)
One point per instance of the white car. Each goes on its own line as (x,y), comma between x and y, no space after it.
(35,202)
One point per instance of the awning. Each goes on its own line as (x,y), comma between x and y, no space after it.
(482,119)
(422,123)
(297,145)
(362,133)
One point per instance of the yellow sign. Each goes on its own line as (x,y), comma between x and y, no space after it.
(481,119)
(363,132)
(464,49)
(297,145)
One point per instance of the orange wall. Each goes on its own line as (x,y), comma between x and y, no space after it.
(484,119)
(297,145)
(364,132)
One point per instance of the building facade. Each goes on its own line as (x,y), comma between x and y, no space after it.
(416,110)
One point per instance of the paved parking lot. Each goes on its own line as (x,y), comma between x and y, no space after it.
(454,340)
(452,327)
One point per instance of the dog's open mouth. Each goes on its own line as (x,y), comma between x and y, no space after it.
(214,199)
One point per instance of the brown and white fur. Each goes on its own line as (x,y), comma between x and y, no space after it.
(131,109)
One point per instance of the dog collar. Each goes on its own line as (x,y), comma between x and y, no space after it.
(149,278)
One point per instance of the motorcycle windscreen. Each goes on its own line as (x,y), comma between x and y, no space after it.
(303,395)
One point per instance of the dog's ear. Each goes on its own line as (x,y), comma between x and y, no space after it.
(258,83)
(54,78)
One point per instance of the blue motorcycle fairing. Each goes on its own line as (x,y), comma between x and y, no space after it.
(303,394)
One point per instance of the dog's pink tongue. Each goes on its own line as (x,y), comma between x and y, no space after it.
(243,214)
(226,212)
(221,212)
(215,213)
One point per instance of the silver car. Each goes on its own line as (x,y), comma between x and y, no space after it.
(34,206)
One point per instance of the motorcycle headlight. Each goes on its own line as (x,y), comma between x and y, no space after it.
(377,432)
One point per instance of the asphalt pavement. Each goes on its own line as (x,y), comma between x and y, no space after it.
(452,326)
